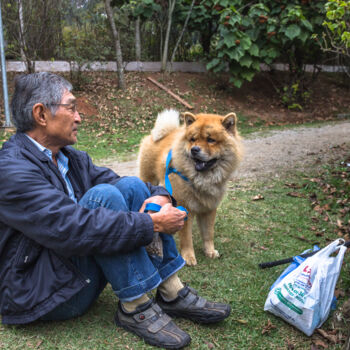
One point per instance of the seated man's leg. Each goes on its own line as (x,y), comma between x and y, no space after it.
(173,297)
(135,192)
(80,302)
(131,275)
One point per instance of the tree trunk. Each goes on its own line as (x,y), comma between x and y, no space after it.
(137,39)
(205,38)
(30,65)
(182,32)
(167,35)
(118,50)
(21,30)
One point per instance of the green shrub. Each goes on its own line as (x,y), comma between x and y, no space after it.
(266,32)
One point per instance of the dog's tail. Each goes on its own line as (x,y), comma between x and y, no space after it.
(167,121)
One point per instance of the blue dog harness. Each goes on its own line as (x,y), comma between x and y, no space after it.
(169,170)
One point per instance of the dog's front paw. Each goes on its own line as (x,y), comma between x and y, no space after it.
(212,254)
(189,258)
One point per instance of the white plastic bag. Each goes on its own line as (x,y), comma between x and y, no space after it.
(303,298)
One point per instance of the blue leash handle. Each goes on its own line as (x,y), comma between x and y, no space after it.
(157,207)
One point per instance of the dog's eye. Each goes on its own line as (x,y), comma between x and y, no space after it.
(192,139)
(210,140)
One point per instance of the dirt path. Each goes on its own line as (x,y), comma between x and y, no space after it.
(278,151)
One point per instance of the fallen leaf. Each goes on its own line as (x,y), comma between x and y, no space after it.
(292,185)
(339,293)
(319,234)
(210,345)
(303,238)
(258,197)
(319,342)
(295,194)
(326,207)
(267,328)
(290,345)
(331,337)
(318,208)
(242,321)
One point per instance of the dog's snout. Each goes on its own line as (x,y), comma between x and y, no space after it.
(195,150)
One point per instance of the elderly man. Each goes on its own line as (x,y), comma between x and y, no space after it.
(68,227)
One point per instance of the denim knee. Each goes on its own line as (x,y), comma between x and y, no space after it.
(134,191)
(104,195)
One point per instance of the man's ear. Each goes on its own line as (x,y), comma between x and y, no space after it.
(40,114)
(229,122)
(189,118)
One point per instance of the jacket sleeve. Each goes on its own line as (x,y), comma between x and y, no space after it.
(32,205)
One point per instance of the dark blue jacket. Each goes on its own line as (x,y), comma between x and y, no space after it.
(41,227)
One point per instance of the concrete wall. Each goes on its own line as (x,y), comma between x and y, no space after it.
(193,67)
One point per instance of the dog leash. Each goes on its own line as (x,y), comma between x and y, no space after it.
(157,207)
(169,170)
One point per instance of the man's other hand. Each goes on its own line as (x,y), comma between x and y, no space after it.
(168,220)
(160,200)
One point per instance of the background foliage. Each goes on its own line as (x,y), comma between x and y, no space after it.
(235,36)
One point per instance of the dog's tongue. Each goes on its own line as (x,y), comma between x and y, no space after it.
(200,166)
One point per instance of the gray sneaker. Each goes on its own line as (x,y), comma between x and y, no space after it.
(190,305)
(153,325)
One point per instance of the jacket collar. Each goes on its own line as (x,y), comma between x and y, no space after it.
(22,140)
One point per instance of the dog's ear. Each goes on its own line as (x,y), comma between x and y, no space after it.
(189,118)
(229,122)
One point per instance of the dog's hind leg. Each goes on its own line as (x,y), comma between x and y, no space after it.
(206,223)
(186,242)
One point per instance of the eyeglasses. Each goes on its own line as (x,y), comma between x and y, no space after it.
(72,106)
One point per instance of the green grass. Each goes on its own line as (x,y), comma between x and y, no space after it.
(247,232)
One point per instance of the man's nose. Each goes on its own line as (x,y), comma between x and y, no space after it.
(77,117)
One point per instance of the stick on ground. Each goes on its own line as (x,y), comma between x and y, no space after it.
(170,93)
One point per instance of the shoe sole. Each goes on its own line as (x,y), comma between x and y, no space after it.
(204,320)
(147,340)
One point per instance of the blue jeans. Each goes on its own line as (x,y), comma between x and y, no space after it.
(131,275)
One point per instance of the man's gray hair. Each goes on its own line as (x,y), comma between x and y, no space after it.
(46,88)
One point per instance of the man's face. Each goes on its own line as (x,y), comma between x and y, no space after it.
(62,128)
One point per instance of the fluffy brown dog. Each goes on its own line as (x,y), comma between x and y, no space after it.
(205,151)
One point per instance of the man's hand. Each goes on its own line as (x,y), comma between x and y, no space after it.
(160,200)
(168,220)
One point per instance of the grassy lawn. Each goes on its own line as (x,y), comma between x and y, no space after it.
(285,221)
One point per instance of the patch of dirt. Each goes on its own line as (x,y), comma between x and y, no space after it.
(85,107)
(294,149)
(257,101)
(278,152)
(329,100)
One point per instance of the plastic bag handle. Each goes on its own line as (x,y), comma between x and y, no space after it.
(332,247)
